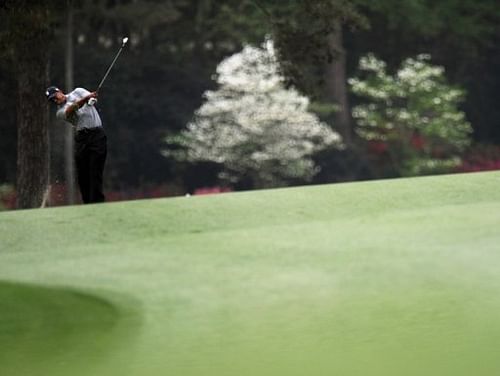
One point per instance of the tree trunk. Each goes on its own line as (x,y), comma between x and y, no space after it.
(69,170)
(32,134)
(31,62)
(336,83)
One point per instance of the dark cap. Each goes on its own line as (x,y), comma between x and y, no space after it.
(51,92)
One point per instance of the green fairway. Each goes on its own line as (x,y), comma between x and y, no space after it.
(382,278)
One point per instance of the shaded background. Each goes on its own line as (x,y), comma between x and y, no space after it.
(175,47)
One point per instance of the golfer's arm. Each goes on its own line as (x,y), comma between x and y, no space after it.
(78,104)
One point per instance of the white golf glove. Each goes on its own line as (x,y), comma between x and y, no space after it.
(92,101)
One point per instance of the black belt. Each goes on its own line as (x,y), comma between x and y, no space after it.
(88,130)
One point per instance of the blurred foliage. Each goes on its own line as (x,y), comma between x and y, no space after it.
(7,196)
(481,157)
(461,35)
(176,45)
(159,80)
(413,116)
(254,127)
(300,30)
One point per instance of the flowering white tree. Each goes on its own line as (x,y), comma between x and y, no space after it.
(254,126)
(413,116)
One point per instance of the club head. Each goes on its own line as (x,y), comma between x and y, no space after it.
(124,41)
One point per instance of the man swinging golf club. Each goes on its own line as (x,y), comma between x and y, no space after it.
(78,108)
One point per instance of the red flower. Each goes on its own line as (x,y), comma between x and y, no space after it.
(377,147)
(417,141)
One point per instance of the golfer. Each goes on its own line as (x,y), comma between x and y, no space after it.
(77,108)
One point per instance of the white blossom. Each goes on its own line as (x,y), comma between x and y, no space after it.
(255,126)
(414,103)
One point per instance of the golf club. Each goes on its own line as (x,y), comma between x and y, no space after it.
(124,41)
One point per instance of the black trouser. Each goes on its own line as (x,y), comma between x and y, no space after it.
(90,156)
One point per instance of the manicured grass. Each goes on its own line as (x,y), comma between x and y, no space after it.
(381,278)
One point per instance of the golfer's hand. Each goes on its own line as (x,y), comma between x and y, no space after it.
(92,98)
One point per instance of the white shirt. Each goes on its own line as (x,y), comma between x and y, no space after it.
(83,118)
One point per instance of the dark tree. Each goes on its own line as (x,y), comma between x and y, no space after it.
(309,39)
(25,39)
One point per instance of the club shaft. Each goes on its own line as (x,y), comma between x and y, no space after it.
(109,69)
